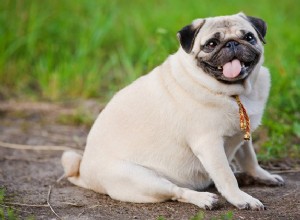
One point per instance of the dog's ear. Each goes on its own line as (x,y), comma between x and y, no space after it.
(260,26)
(187,35)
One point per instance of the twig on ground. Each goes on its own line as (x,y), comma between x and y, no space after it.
(29,147)
(91,207)
(81,213)
(60,178)
(19,210)
(39,205)
(27,160)
(49,195)
(73,204)
(23,204)
(294,192)
(94,206)
(286,171)
(48,202)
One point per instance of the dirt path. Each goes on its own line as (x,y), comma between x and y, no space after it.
(27,175)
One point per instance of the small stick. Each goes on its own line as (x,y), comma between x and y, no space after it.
(29,147)
(27,160)
(19,210)
(60,178)
(73,204)
(286,171)
(22,204)
(91,207)
(48,202)
(49,194)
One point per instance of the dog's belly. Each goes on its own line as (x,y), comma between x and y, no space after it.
(165,154)
(192,176)
(176,163)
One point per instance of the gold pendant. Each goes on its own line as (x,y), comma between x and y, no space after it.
(244,119)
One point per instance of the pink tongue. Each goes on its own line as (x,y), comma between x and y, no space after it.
(232,69)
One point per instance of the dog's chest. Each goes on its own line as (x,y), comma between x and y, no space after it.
(248,112)
(225,118)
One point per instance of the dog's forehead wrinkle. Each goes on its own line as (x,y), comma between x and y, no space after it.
(217,35)
(223,35)
(243,32)
(223,29)
(220,23)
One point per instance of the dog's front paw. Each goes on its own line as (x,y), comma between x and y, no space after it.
(208,201)
(244,201)
(204,200)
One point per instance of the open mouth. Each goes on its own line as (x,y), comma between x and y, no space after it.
(232,71)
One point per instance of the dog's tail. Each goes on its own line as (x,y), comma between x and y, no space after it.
(71,164)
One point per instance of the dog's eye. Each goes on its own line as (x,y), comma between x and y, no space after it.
(211,44)
(250,38)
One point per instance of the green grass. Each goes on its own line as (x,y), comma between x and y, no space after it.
(9,213)
(5,211)
(63,49)
(79,117)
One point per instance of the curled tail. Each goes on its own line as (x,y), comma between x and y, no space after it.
(71,164)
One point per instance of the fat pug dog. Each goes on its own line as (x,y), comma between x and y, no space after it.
(174,131)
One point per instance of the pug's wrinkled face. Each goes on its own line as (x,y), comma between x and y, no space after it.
(228,48)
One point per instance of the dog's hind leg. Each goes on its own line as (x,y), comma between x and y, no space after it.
(135,183)
(247,161)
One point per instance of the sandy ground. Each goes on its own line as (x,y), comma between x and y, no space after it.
(27,175)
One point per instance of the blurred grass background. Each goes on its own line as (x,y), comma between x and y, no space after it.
(61,49)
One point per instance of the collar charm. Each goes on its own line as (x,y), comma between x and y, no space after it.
(244,119)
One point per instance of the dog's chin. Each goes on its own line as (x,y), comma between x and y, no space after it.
(217,71)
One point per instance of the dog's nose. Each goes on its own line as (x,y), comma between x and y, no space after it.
(232,44)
